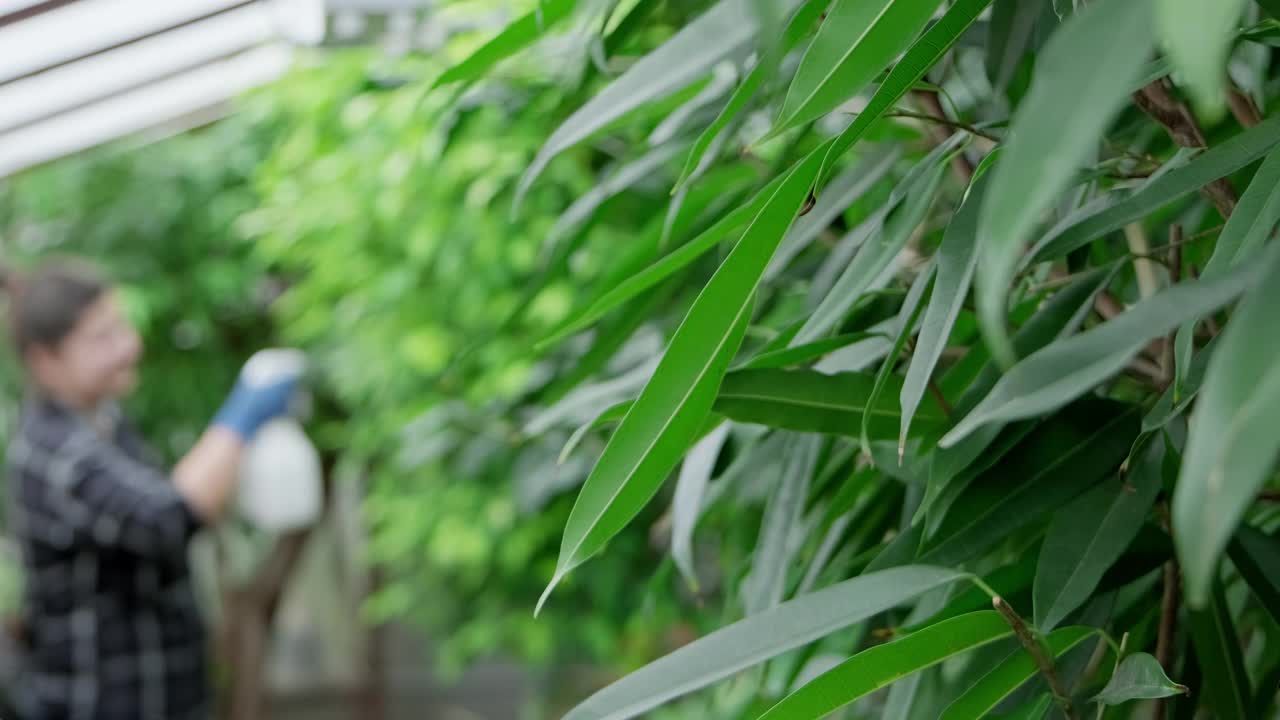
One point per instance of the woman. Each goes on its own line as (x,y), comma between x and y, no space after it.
(112,628)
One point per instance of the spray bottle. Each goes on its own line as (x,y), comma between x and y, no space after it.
(280,476)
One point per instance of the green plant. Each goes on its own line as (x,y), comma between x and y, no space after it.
(1003,336)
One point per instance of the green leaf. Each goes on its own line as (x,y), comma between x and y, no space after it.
(956,259)
(687,56)
(1007,582)
(1009,36)
(1242,238)
(1086,537)
(674,403)
(905,210)
(882,665)
(799,27)
(1058,461)
(1034,710)
(608,416)
(835,199)
(788,357)
(515,37)
(670,264)
(858,39)
(1139,677)
(1198,36)
(1008,676)
(1257,556)
(908,316)
(926,51)
(763,587)
(809,401)
(1067,369)
(1061,315)
(1082,80)
(1232,444)
(758,638)
(686,507)
(1094,221)
(1225,683)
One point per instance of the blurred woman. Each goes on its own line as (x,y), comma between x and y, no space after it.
(112,631)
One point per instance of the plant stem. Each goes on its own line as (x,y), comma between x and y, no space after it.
(1044,661)
(933,111)
(1168,626)
(946,122)
(1242,107)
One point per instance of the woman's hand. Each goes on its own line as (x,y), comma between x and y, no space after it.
(262,393)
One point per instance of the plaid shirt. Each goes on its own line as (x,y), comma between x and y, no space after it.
(113,630)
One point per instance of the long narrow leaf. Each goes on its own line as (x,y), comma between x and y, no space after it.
(1197,37)
(748,642)
(1086,537)
(858,39)
(724,29)
(1226,683)
(763,587)
(797,29)
(926,51)
(653,435)
(809,401)
(1257,556)
(956,260)
(1232,445)
(1069,368)
(1082,80)
(686,507)
(882,665)
(517,36)
(908,316)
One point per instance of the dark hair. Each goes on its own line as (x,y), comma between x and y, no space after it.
(45,304)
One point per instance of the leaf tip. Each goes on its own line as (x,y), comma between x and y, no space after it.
(546,594)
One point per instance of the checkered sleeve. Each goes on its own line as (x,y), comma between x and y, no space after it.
(111,500)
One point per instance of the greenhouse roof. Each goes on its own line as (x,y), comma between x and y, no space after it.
(78,73)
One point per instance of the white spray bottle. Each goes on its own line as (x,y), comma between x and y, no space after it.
(280,477)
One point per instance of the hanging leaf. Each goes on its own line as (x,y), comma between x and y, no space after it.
(924,54)
(809,401)
(1086,537)
(1061,459)
(857,40)
(1082,80)
(956,260)
(908,317)
(726,28)
(1139,677)
(686,507)
(758,638)
(799,28)
(882,665)
(515,37)
(763,587)
(1076,231)
(1008,676)
(1197,37)
(1166,408)
(655,432)
(1069,368)
(1232,445)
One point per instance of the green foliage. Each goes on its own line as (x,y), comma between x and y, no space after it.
(972,322)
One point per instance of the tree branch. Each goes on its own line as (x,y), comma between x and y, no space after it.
(1157,101)
(1044,661)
